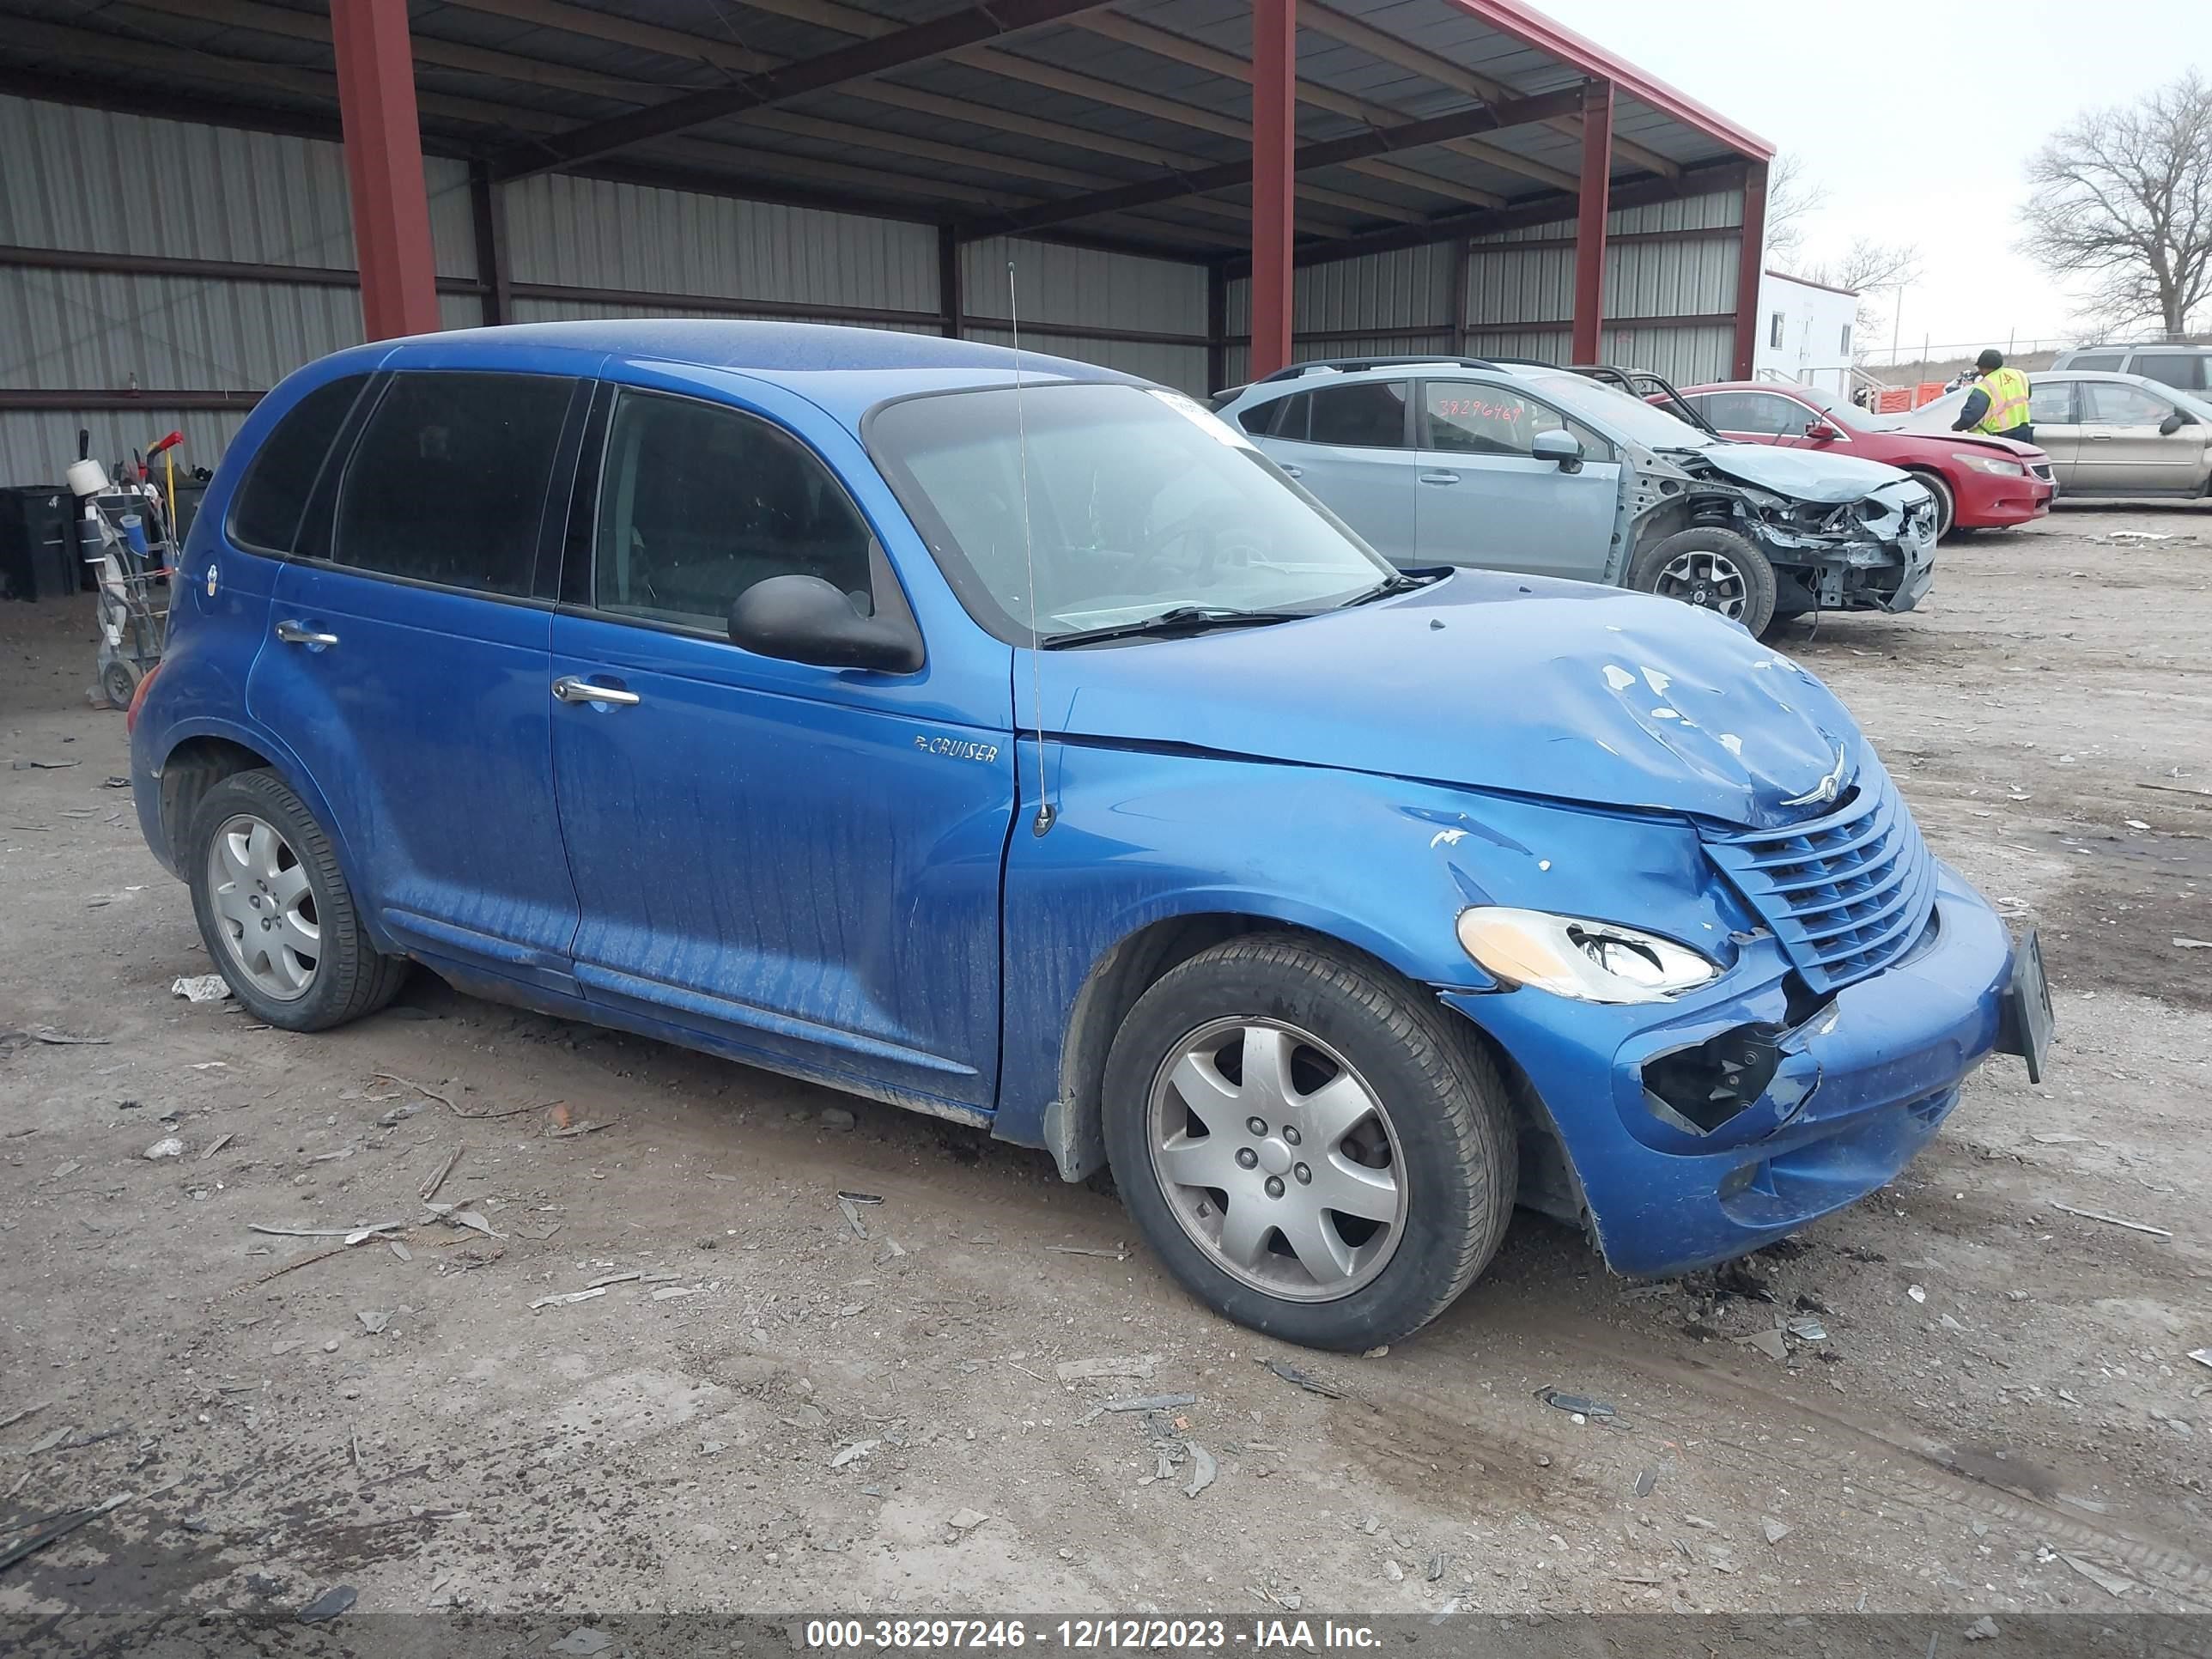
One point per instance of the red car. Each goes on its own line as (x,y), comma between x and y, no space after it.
(1978,483)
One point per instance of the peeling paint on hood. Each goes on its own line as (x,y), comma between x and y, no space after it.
(1552,689)
(1806,474)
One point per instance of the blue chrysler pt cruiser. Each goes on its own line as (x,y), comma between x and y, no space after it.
(1008,740)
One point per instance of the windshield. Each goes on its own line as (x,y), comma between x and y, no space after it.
(1139,502)
(1844,412)
(1616,412)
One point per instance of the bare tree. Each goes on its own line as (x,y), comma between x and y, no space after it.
(1874,271)
(1792,197)
(2122,199)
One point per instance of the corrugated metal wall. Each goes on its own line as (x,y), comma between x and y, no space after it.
(1520,294)
(1067,288)
(95,181)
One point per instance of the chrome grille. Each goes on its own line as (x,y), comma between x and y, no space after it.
(1845,895)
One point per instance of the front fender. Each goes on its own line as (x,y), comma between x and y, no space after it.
(1383,864)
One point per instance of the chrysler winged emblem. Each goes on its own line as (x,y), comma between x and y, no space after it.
(1828,787)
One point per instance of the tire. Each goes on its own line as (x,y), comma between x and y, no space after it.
(277,870)
(118,682)
(1712,567)
(1437,1132)
(1947,502)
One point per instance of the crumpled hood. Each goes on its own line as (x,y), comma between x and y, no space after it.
(1565,689)
(1806,474)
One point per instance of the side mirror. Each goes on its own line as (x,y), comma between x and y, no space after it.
(805,619)
(1823,432)
(2172,424)
(1560,446)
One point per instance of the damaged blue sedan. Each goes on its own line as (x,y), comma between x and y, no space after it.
(1008,740)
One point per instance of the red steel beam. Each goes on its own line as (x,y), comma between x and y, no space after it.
(1274,174)
(1592,204)
(384,167)
(1750,261)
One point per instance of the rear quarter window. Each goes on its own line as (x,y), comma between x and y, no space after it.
(271,501)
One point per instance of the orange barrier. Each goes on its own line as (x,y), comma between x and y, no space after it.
(1893,400)
(1927,392)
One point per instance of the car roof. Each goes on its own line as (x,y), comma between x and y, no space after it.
(1322,374)
(2138,345)
(845,371)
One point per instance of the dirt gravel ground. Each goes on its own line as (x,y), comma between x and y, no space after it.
(763,1408)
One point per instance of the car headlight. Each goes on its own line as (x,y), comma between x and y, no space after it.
(1997,464)
(1588,961)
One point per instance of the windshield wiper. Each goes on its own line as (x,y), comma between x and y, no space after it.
(1182,619)
(1388,587)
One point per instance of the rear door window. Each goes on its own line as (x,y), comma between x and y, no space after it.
(2050,403)
(2184,370)
(447,483)
(266,514)
(698,501)
(1371,415)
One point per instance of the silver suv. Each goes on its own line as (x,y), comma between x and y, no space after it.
(2184,367)
(1546,471)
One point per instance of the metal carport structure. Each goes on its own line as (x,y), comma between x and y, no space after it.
(1198,190)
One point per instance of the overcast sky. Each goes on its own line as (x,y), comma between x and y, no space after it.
(1916,115)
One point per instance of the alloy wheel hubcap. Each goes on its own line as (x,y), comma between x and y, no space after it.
(264,908)
(1711,581)
(1278,1159)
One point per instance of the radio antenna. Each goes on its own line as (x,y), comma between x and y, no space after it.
(1042,821)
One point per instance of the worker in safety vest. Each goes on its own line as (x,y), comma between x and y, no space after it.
(1996,403)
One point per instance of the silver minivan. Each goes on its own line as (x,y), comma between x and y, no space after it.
(2185,367)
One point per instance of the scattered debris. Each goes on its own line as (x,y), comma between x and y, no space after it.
(2111,1582)
(328,1605)
(1115,1255)
(1916,1292)
(2113,1220)
(40,766)
(853,1453)
(168,1147)
(2201,1356)
(1203,1470)
(852,1216)
(216,1146)
(64,1169)
(602,1282)
(1150,1402)
(2181,943)
(963,1521)
(372,1321)
(582,1642)
(201,987)
(14,1417)
(351,1235)
(437,1177)
(1436,1564)
(1306,1380)
(2059,1138)
(836,1117)
(1580,1406)
(1647,1483)
(1775,1530)
(563,1298)
(1132,1365)
(400,1250)
(460,1218)
(859,1198)
(1807,1329)
(1393,1571)
(1769,1342)
(670,1292)
(45,1034)
(61,1527)
(1981,1630)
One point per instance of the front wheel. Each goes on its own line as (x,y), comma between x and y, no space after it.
(1947,503)
(1313,1148)
(275,913)
(1712,567)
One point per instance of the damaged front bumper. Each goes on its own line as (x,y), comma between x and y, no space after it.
(1875,554)
(1700,1130)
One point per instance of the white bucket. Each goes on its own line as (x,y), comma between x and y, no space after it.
(86,477)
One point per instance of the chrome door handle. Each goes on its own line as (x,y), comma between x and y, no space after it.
(1440,478)
(2100,437)
(298,633)
(569,689)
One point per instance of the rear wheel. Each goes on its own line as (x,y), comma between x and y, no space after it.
(1315,1149)
(1712,567)
(1947,503)
(275,913)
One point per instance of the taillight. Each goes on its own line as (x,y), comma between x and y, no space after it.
(130,714)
